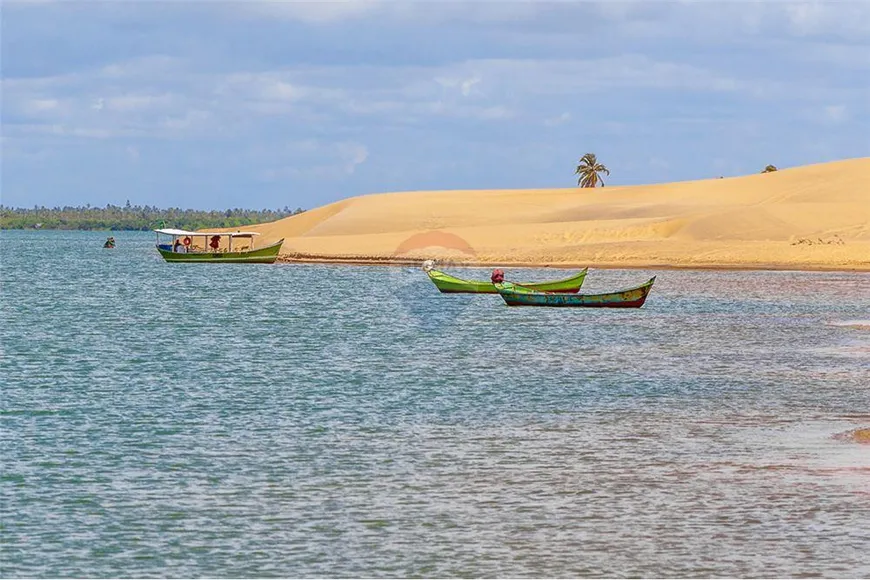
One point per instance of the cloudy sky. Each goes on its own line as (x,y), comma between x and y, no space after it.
(207,104)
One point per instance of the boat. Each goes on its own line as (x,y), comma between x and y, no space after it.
(451,284)
(518,295)
(110,243)
(215,247)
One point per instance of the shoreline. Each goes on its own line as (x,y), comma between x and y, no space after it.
(397,261)
(814,218)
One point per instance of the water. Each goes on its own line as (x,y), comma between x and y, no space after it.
(285,420)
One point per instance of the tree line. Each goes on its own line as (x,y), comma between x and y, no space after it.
(133,217)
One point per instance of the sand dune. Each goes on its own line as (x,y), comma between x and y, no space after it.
(812,217)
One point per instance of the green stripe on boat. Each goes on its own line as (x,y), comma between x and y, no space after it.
(519,295)
(451,284)
(182,248)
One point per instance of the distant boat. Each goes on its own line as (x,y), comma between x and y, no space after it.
(110,243)
(517,295)
(216,247)
(451,284)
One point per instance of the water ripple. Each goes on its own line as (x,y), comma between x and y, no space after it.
(234,421)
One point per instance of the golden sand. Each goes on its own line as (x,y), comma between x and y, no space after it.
(814,217)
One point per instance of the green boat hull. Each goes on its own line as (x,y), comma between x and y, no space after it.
(451,284)
(516,295)
(264,255)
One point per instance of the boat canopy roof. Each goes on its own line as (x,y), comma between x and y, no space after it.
(172,232)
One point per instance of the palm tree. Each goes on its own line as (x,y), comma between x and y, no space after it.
(769,169)
(588,170)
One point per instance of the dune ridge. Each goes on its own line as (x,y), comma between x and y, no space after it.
(815,217)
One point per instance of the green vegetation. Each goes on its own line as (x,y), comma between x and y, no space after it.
(133,217)
(588,170)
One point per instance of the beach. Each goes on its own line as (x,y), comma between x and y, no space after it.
(814,217)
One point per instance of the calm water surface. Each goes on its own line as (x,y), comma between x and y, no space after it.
(285,420)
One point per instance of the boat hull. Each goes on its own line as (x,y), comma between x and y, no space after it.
(452,285)
(515,295)
(264,255)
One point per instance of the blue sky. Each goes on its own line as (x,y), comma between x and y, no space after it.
(206,104)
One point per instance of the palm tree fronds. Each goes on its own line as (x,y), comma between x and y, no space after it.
(588,169)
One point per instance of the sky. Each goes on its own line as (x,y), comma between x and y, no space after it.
(205,104)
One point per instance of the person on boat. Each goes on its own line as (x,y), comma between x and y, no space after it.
(179,247)
(215,242)
(110,243)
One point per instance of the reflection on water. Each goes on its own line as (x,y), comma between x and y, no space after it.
(859,324)
(226,420)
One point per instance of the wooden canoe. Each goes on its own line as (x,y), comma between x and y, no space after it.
(451,284)
(518,295)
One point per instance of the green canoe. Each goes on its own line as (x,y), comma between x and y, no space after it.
(516,295)
(215,247)
(451,284)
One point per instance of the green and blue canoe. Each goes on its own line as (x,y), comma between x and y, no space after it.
(519,295)
(451,284)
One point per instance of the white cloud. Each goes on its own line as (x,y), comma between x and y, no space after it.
(492,113)
(321,12)
(356,155)
(266,86)
(40,106)
(640,78)
(392,11)
(840,18)
(836,113)
(151,67)
(465,85)
(58,130)
(309,158)
(835,55)
(560,120)
(135,102)
(179,124)
(572,76)
(468,84)
(169,97)
(734,22)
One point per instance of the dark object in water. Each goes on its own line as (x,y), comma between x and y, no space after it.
(110,243)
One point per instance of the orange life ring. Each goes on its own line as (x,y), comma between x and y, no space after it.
(186,240)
